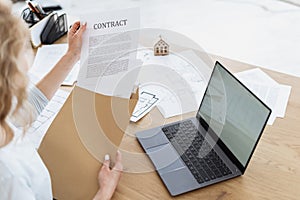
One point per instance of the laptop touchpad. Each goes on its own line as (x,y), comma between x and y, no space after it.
(165,157)
(178,164)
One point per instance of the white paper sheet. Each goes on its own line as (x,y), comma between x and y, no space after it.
(282,101)
(171,103)
(146,102)
(105,57)
(256,75)
(182,83)
(46,58)
(273,94)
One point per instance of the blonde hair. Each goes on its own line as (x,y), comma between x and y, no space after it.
(13,78)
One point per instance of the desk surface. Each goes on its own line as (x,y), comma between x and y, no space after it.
(273,172)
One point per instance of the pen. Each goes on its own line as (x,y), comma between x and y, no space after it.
(40,9)
(34,10)
(30,6)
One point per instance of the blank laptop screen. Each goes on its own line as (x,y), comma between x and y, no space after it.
(233,113)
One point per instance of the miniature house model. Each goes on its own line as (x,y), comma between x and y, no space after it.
(161,48)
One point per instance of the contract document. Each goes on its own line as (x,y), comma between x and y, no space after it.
(108,56)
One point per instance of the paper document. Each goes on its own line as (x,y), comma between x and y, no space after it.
(170,103)
(108,57)
(146,102)
(40,126)
(46,58)
(176,103)
(180,85)
(268,90)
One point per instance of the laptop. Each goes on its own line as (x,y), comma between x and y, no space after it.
(216,144)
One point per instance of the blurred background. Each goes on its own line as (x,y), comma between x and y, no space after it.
(265,33)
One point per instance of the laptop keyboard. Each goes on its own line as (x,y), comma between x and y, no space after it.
(196,152)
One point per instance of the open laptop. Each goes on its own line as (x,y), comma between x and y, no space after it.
(214,146)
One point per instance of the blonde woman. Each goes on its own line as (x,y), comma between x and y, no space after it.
(22,172)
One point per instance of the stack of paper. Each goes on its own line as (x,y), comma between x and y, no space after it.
(268,90)
(46,58)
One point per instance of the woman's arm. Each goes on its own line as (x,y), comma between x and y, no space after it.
(52,81)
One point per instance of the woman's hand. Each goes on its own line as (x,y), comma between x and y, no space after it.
(52,81)
(109,178)
(75,39)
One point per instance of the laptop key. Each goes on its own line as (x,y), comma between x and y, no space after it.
(217,173)
(211,174)
(199,178)
(204,175)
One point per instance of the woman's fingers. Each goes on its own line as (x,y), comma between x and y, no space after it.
(81,29)
(118,165)
(106,162)
(74,28)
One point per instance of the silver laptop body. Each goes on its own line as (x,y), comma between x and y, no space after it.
(214,146)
